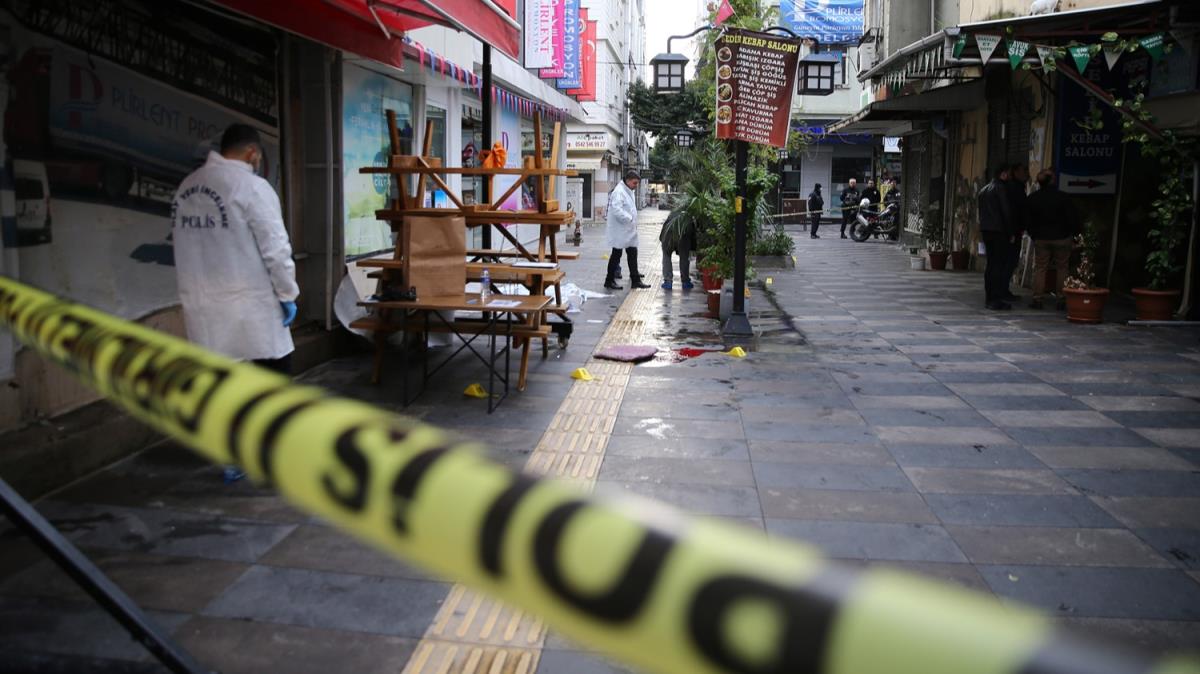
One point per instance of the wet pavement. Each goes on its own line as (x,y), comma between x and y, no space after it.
(881,414)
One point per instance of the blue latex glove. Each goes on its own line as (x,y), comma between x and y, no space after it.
(289,312)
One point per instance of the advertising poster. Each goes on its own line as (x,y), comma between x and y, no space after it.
(587,87)
(571,40)
(830,21)
(94,152)
(539,33)
(559,41)
(756,75)
(509,133)
(365,96)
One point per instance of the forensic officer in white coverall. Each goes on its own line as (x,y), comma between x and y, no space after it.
(233,260)
(622,231)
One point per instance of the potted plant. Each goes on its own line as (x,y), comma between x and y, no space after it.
(1158,300)
(960,259)
(934,233)
(1085,302)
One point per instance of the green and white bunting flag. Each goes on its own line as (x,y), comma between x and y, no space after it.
(987,46)
(959,45)
(1112,52)
(1082,54)
(1153,44)
(1046,54)
(1016,52)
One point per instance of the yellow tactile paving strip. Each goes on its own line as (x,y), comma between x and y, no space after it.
(472,634)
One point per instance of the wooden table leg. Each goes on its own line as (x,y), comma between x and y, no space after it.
(380,344)
(524,364)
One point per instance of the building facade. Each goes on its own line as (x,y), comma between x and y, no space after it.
(109,104)
(960,117)
(605,142)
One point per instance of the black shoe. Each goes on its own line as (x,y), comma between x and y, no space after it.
(637,283)
(1009,297)
(813,236)
(618,274)
(611,285)
(843,235)
(997,305)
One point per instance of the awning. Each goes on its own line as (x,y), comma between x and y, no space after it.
(894,116)
(933,55)
(372,28)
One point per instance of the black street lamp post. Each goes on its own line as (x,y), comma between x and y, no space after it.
(816,79)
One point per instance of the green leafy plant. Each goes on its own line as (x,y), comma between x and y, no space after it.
(775,243)
(1083,276)
(933,230)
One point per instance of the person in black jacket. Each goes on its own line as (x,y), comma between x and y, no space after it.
(1018,177)
(1053,224)
(998,230)
(850,199)
(871,193)
(816,204)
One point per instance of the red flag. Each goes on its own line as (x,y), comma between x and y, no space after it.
(724,12)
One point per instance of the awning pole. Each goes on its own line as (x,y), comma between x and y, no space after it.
(485,99)
(1185,304)
(1112,252)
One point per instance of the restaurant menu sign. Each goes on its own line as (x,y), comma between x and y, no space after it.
(756,75)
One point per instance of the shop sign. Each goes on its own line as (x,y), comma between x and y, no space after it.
(587,141)
(1088,160)
(829,21)
(539,33)
(756,75)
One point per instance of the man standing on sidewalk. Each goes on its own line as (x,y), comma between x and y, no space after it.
(850,197)
(816,204)
(1053,224)
(871,194)
(997,229)
(233,260)
(622,231)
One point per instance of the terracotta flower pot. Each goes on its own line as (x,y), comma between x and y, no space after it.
(1155,305)
(960,259)
(714,301)
(937,259)
(1085,305)
(709,278)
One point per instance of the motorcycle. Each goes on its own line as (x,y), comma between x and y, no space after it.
(871,222)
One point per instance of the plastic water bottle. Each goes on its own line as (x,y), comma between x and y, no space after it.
(485,286)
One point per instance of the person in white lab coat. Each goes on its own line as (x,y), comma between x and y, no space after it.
(622,231)
(233,260)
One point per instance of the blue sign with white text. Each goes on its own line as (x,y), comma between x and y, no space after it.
(572,48)
(829,21)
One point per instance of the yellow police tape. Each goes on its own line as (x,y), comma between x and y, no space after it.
(662,591)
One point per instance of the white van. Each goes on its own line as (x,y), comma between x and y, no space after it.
(32,193)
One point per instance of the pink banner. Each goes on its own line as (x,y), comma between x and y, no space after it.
(557,69)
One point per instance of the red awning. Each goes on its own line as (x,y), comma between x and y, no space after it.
(372,28)
(341,24)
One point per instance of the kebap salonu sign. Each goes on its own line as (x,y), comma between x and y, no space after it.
(756,75)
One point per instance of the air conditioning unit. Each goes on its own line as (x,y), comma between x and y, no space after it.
(869,49)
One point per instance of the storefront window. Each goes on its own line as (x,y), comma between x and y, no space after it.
(472,141)
(436,198)
(366,95)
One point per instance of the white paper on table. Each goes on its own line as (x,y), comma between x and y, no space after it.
(504,304)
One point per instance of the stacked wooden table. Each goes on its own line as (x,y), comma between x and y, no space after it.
(516,320)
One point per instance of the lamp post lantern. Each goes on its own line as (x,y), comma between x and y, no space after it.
(683,138)
(816,74)
(668,72)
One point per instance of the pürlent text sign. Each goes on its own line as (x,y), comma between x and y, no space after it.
(756,75)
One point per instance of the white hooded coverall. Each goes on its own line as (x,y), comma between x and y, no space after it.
(233,261)
(622,218)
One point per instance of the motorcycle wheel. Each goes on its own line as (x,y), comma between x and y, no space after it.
(860,232)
